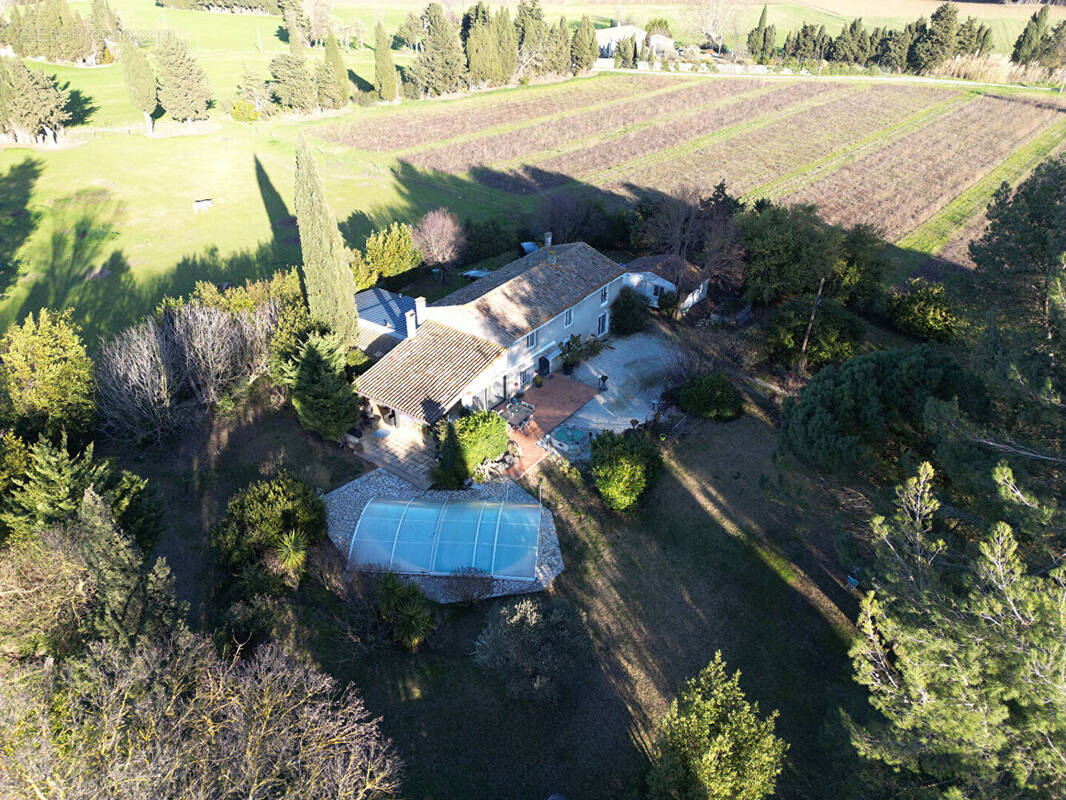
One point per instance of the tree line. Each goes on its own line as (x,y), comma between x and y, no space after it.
(488,49)
(920,46)
(52,30)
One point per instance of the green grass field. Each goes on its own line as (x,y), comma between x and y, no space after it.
(105,223)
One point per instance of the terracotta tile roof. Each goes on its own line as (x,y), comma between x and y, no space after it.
(526,293)
(423,376)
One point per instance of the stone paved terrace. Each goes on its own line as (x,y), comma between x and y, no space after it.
(554,402)
(402,452)
(346,503)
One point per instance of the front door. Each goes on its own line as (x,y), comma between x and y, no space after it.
(544,366)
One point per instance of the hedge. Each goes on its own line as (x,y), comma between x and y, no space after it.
(466,442)
(711,396)
(624,465)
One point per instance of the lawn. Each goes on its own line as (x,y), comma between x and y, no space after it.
(105,223)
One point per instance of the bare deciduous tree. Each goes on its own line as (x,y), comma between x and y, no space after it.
(154,376)
(173,720)
(711,18)
(440,237)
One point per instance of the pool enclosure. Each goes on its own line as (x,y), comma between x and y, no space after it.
(426,537)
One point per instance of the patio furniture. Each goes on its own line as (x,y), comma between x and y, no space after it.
(518,414)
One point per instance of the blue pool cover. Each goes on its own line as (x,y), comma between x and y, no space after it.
(425,537)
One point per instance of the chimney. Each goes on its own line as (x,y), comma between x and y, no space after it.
(412,324)
(420,310)
(548,239)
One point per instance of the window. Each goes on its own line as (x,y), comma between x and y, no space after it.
(601,324)
(603,295)
(657,290)
(531,339)
(568,318)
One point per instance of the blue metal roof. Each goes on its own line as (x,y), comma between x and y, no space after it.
(384,308)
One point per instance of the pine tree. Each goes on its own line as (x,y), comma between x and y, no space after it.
(327,279)
(183,89)
(292,85)
(384,72)
(583,47)
(130,604)
(141,84)
(411,32)
(1027,46)
(47,378)
(50,491)
(506,46)
(342,87)
(324,399)
(713,744)
(441,67)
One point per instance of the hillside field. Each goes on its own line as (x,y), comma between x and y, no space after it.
(88,230)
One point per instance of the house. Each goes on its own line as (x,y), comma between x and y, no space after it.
(608,38)
(654,276)
(386,318)
(661,44)
(484,342)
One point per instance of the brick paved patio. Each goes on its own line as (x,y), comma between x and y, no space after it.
(554,402)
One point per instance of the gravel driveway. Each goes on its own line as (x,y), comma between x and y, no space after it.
(636,368)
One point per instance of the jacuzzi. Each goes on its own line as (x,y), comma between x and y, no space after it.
(569,439)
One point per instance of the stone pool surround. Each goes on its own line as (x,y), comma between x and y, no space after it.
(345,504)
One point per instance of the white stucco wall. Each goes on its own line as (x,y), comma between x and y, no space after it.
(519,362)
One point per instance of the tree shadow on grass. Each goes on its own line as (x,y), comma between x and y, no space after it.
(362,84)
(80,106)
(17,221)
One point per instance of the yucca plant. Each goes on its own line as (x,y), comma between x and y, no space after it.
(291,554)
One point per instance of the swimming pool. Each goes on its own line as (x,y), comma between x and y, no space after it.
(425,537)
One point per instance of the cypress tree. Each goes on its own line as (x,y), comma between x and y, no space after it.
(342,87)
(441,67)
(756,36)
(183,89)
(325,88)
(475,15)
(583,48)
(482,56)
(328,283)
(936,42)
(384,72)
(292,85)
(32,106)
(1027,46)
(559,60)
(506,46)
(533,35)
(140,82)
